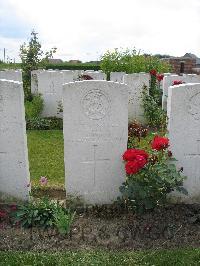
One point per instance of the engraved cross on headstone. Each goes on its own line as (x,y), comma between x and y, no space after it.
(197,153)
(94,161)
(52,87)
(1,109)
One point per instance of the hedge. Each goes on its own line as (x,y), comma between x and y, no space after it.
(73,67)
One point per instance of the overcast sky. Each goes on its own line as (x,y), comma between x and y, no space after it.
(85,29)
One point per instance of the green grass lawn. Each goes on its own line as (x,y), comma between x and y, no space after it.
(46,156)
(157,258)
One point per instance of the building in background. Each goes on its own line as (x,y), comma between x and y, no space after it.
(188,64)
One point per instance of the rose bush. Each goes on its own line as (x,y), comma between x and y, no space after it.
(150,176)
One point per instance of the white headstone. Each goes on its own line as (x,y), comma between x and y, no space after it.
(67,76)
(14,169)
(11,74)
(50,86)
(117,76)
(95,137)
(34,80)
(191,78)
(136,83)
(167,82)
(184,134)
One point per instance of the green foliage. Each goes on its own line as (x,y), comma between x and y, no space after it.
(67,66)
(63,221)
(32,57)
(150,186)
(44,213)
(40,213)
(131,61)
(47,123)
(34,107)
(155,116)
(4,66)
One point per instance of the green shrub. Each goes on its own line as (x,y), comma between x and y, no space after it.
(4,66)
(44,213)
(131,61)
(67,66)
(47,123)
(34,107)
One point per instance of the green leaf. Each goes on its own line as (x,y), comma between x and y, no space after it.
(182,190)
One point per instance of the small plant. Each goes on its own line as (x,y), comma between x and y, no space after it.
(150,176)
(36,213)
(46,123)
(43,213)
(34,107)
(63,221)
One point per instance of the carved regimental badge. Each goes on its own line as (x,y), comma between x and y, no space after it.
(95,104)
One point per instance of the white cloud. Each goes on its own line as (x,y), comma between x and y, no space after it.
(85,29)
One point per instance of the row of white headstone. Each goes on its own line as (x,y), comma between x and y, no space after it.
(95,137)
(49,85)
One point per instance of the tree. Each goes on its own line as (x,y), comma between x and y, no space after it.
(32,58)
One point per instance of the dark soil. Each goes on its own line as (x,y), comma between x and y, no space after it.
(168,227)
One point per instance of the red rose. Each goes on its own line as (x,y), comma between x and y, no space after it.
(132,167)
(153,72)
(177,82)
(159,143)
(130,154)
(141,160)
(160,77)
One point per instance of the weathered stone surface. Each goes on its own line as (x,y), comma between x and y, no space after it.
(136,83)
(117,76)
(95,137)
(11,74)
(184,134)
(14,169)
